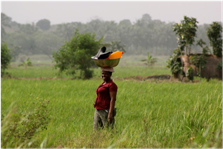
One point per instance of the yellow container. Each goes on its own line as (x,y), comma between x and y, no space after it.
(115,55)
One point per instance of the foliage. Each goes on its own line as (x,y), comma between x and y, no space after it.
(186,33)
(176,67)
(173,63)
(36,43)
(5,21)
(15,52)
(5,57)
(189,73)
(25,40)
(46,43)
(150,61)
(205,49)
(219,66)
(26,63)
(43,24)
(138,36)
(76,54)
(214,33)
(116,45)
(66,30)
(28,29)
(199,61)
(19,129)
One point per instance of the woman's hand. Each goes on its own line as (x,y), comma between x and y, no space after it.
(112,106)
(110,118)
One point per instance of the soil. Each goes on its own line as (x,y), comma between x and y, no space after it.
(34,78)
(155,77)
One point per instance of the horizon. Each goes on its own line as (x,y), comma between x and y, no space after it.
(27,12)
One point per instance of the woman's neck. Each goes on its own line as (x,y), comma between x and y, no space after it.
(106,81)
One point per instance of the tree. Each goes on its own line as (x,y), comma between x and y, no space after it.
(21,43)
(125,22)
(66,30)
(23,40)
(146,18)
(186,31)
(116,45)
(5,57)
(43,24)
(214,33)
(5,21)
(46,43)
(28,29)
(76,54)
(202,44)
(15,52)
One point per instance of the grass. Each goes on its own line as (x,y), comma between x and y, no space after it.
(120,72)
(150,115)
(160,114)
(128,66)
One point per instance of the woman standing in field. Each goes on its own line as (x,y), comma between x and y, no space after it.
(105,101)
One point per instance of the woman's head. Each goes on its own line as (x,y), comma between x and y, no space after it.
(106,73)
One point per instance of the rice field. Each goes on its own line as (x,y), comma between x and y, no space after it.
(162,114)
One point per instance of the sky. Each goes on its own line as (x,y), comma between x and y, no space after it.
(84,11)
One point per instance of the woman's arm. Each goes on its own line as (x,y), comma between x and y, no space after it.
(112,106)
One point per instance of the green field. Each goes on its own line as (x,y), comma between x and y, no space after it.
(162,114)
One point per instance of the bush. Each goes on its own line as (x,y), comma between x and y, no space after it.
(76,54)
(19,129)
(173,63)
(5,57)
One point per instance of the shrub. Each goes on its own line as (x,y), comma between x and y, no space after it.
(172,62)
(19,129)
(76,54)
(199,62)
(5,57)
(150,61)
(26,63)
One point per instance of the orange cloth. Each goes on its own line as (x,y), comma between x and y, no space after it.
(115,55)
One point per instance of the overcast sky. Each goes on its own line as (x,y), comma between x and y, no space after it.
(76,11)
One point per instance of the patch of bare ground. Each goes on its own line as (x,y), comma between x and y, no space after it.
(156,77)
(35,78)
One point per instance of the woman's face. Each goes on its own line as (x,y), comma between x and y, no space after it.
(106,76)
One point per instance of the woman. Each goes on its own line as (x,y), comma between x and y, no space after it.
(105,101)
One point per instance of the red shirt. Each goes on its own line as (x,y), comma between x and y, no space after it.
(103,99)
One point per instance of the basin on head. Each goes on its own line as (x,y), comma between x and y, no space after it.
(106,63)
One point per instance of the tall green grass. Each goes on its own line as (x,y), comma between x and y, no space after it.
(149,114)
(128,66)
(51,72)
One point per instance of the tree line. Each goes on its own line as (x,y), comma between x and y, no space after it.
(139,37)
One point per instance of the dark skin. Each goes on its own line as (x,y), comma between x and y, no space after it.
(106,76)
